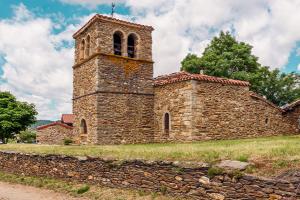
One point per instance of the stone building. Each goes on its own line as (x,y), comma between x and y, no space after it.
(56,132)
(116,100)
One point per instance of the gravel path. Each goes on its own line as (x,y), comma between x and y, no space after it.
(21,192)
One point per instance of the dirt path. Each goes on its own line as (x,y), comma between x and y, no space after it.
(21,192)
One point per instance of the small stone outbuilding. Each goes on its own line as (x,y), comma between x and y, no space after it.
(56,132)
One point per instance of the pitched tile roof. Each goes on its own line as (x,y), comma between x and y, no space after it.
(261,98)
(67,118)
(292,105)
(111,19)
(184,76)
(54,124)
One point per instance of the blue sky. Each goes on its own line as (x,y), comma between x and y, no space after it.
(36,45)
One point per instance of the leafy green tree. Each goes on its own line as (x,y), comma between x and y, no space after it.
(27,136)
(223,57)
(226,57)
(15,116)
(279,88)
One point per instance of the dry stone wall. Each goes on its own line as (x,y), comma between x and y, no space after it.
(167,177)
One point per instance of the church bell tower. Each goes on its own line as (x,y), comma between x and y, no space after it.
(113,94)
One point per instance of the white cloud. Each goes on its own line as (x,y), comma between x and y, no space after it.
(37,68)
(298,67)
(183,26)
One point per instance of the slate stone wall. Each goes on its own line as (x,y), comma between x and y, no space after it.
(171,178)
(203,110)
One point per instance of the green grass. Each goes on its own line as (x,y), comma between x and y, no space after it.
(269,149)
(82,190)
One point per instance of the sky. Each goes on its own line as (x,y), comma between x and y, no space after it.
(37,48)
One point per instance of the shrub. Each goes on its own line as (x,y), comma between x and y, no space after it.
(83,189)
(68,141)
(243,158)
(27,136)
(11,141)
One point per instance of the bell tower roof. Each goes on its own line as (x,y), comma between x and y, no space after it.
(112,20)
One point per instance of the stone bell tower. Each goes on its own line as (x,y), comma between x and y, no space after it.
(113,94)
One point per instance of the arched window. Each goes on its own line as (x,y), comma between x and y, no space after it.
(131,46)
(88,45)
(118,43)
(82,49)
(83,127)
(166,122)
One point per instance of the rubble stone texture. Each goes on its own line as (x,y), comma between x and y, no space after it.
(207,110)
(54,133)
(156,176)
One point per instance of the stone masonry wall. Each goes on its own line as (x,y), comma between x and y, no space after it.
(86,108)
(215,111)
(294,117)
(125,118)
(54,134)
(114,94)
(175,99)
(171,178)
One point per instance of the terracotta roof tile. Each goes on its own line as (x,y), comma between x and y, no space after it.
(106,18)
(54,124)
(183,76)
(67,118)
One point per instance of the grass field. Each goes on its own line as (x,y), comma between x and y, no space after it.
(272,153)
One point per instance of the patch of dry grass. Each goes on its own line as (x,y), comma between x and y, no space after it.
(72,188)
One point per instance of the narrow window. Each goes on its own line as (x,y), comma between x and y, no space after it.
(83,127)
(166,123)
(88,45)
(82,49)
(299,123)
(131,43)
(118,43)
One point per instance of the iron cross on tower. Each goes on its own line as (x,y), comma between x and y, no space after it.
(113,6)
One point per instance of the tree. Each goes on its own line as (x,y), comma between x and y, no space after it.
(223,57)
(226,57)
(15,116)
(279,88)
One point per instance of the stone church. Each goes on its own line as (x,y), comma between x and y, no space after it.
(116,100)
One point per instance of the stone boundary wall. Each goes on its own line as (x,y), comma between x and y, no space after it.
(166,177)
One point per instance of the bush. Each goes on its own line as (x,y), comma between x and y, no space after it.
(243,158)
(11,141)
(83,189)
(27,136)
(68,141)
